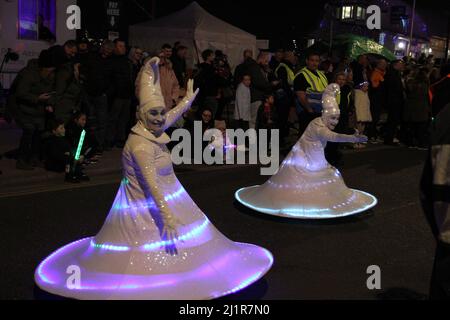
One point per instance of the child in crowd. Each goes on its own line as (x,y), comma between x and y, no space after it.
(73,133)
(267,117)
(220,142)
(267,114)
(59,154)
(243,103)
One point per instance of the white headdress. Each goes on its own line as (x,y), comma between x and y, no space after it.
(148,88)
(329,101)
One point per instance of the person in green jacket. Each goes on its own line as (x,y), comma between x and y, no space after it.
(33,93)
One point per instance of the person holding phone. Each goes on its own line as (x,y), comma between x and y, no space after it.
(33,96)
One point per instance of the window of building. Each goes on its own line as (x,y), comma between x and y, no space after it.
(360,13)
(37,20)
(347,12)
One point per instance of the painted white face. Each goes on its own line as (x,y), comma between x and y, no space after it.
(155,119)
(331,121)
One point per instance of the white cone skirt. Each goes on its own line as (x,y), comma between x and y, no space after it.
(306,186)
(129,257)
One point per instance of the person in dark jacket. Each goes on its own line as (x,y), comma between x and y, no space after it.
(179,64)
(67,97)
(241,69)
(277,58)
(440,91)
(12,110)
(435,197)
(261,86)
(136,57)
(96,73)
(65,53)
(208,81)
(377,95)
(32,94)
(417,111)
(284,95)
(395,100)
(123,91)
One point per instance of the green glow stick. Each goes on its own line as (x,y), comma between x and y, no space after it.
(80,145)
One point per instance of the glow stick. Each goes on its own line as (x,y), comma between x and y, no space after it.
(80,145)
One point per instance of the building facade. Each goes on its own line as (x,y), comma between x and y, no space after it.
(350,16)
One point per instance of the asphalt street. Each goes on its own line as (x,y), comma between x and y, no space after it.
(313,259)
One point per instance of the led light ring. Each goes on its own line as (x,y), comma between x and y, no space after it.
(195,232)
(149,204)
(147,282)
(40,269)
(291,213)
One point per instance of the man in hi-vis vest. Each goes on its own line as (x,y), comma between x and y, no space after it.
(309,86)
(284,94)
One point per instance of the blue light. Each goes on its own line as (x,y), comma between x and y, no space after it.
(110,247)
(190,235)
(147,204)
(196,232)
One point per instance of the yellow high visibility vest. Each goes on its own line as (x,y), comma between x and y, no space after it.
(317,84)
(290,73)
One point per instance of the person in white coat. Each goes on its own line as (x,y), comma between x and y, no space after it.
(156,243)
(243,103)
(306,185)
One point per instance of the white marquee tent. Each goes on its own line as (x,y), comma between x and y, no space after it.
(196,29)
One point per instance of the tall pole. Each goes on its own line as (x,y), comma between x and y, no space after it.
(412,28)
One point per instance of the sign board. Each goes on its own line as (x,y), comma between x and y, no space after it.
(113,9)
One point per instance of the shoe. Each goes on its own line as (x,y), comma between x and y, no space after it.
(71,179)
(91,161)
(83,178)
(22,165)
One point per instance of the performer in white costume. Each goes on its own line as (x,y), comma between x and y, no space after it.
(306,185)
(156,243)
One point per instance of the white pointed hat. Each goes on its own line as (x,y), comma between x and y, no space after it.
(148,87)
(329,100)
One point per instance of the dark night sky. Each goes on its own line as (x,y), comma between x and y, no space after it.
(276,20)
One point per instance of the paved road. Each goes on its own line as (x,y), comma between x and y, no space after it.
(313,260)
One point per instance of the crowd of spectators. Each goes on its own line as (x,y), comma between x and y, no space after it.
(75,87)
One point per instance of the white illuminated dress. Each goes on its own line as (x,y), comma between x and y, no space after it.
(306,185)
(128,259)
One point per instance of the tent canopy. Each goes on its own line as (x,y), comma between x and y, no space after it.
(196,29)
